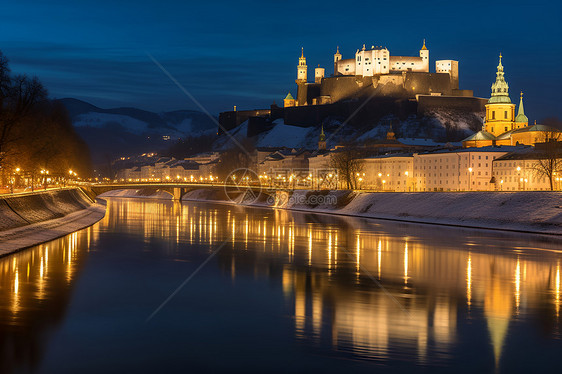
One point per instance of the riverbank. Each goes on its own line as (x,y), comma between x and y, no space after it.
(31,219)
(536,212)
(527,212)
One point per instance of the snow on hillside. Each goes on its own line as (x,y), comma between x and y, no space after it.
(99,120)
(286,135)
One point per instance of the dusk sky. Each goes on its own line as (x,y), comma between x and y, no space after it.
(245,53)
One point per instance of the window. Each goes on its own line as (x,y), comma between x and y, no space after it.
(493,114)
(505,114)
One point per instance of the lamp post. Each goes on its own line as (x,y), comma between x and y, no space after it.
(519,178)
(470,179)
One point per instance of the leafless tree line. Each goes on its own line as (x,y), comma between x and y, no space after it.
(35,133)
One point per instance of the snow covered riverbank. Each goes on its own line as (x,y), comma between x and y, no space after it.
(533,212)
(34,218)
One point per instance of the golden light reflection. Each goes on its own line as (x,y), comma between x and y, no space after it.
(517,284)
(406,263)
(358,252)
(469,281)
(361,317)
(309,234)
(34,292)
(557,290)
(379,258)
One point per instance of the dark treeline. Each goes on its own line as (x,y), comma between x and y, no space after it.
(190,146)
(36,133)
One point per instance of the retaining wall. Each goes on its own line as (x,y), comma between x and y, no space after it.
(21,210)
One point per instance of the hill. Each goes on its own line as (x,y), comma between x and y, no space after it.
(116,132)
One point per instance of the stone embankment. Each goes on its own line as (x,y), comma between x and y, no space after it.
(529,212)
(34,218)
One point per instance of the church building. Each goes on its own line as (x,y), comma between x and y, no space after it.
(501,125)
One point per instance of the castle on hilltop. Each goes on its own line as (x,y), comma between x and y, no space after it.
(399,86)
(376,72)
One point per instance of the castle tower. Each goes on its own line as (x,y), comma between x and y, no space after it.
(288,101)
(318,74)
(322,140)
(500,112)
(337,57)
(424,54)
(302,68)
(521,120)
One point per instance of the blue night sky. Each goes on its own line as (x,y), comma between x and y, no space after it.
(245,53)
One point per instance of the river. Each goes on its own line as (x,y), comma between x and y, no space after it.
(158,286)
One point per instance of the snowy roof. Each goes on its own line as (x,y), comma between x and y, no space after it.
(389,155)
(480,135)
(527,153)
(490,148)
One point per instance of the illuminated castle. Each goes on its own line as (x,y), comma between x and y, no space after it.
(501,125)
(376,69)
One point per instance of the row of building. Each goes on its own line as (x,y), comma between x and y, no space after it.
(153,168)
(492,168)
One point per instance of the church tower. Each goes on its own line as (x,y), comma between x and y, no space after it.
(337,57)
(322,140)
(521,120)
(302,68)
(500,112)
(302,87)
(424,54)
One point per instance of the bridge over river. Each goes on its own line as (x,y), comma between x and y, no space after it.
(177,190)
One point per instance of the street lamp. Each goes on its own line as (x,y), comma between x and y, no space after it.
(469,179)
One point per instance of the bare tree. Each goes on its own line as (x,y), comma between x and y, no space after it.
(349,165)
(549,152)
(18,97)
(236,160)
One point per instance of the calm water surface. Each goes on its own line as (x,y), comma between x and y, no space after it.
(284,292)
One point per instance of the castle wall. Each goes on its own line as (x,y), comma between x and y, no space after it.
(339,88)
(427,83)
(407,63)
(428,103)
(302,93)
(346,67)
(313,115)
(233,118)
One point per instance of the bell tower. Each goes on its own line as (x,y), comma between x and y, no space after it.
(500,112)
(337,57)
(302,69)
(424,54)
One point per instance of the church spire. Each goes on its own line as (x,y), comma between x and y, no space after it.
(322,139)
(521,117)
(500,88)
(424,48)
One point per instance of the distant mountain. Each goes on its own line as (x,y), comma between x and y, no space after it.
(116,132)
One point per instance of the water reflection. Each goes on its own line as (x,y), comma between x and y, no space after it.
(35,287)
(328,265)
(439,285)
